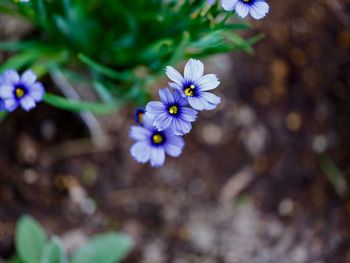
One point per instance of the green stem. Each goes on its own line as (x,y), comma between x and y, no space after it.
(77,106)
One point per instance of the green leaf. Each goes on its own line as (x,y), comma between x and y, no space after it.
(19,61)
(16,46)
(42,12)
(54,252)
(255,39)
(15,259)
(334,175)
(179,52)
(103,92)
(238,26)
(105,70)
(76,106)
(30,240)
(210,40)
(106,248)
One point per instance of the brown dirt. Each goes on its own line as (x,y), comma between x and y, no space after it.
(248,188)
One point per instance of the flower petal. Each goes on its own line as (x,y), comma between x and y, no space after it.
(188,114)
(139,133)
(174,75)
(148,122)
(141,152)
(162,121)
(154,108)
(28,77)
(242,9)
(176,140)
(229,5)
(166,96)
(2,105)
(6,91)
(180,127)
(211,98)
(27,103)
(176,86)
(259,9)
(10,77)
(174,145)
(173,150)
(211,106)
(198,103)
(193,70)
(179,99)
(37,91)
(208,82)
(10,104)
(157,156)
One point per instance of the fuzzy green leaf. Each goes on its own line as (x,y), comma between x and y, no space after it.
(30,240)
(54,252)
(106,248)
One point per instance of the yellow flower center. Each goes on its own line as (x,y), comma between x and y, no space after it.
(19,92)
(139,117)
(157,138)
(189,91)
(173,110)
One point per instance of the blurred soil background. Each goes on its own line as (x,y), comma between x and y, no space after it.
(264,178)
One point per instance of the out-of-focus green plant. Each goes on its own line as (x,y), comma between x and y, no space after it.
(119,46)
(33,246)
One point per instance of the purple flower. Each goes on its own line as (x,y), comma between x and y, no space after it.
(151,144)
(256,8)
(138,115)
(2,106)
(194,86)
(171,112)
(211,2)
(22,90)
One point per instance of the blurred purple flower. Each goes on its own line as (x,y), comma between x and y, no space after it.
(151,144)
(2,105)
(138,115)
(211,2)
(22,90)
(256,8)
(171,112)
(194,85)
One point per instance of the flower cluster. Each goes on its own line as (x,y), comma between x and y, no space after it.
(23,91)
(163,122)
(256,8)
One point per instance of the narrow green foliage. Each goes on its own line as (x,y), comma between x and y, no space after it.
(111,40)
(334,176)
(105,70)
(71,105)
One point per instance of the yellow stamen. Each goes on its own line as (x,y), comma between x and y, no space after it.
(173,109)
(190,90)
(157,138)
(19,92)
(139,117)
